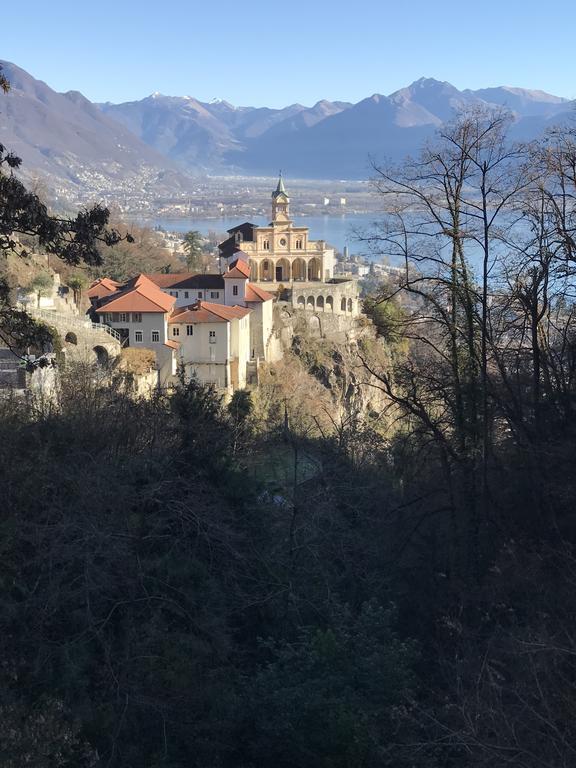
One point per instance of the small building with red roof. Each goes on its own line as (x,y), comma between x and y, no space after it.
(139,311)
(217,326)
(214,342)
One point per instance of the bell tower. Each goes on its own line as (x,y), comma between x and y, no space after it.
(280,203)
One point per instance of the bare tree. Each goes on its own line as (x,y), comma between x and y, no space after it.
(447,216)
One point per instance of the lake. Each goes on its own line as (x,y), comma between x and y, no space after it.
(336,230)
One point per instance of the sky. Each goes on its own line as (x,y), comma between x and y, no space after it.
(272,53)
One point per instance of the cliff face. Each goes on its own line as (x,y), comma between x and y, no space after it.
(329,349)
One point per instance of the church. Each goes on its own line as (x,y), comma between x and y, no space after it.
(282,252)
(282,257)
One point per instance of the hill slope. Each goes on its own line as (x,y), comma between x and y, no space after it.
(73,145)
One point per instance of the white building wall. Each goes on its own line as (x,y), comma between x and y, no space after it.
(201,347)
(217,374)
(260,327)
(167,364)
(151,321)
(231,299)
(241,347)
(191,295)
(328,264)
(206,356)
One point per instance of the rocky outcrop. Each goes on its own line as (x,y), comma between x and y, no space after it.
(328,347)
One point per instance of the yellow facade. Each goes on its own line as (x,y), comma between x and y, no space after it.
(283,252)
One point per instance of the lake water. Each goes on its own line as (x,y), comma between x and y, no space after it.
(336,230)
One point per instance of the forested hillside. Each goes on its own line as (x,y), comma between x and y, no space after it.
(273,582)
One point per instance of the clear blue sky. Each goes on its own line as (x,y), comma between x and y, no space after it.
(276,53)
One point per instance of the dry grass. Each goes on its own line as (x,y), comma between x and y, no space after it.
(137,361)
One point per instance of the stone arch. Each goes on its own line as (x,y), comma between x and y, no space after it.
(71,338)
(310,302)
(343,305)
(282,271)
(350,305)
(299,269)
(314,269)
(253,270)
(314,326)
(320,303)
(266,270)
(102,356)
(301,303)
(329,304)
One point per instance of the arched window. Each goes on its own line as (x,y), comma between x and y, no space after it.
(299,245)
(349,305)
(266,245)
(343,305)
(310,302)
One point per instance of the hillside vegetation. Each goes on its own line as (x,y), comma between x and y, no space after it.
(307,576)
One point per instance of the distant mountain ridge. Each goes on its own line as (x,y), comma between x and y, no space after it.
(328,140)
(152,146)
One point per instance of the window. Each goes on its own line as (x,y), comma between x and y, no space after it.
(138,336)
(266,245)
(199,294)
(282,241)
(212,338)
(123,317)
(214,294)
(136,317)
(155,335)
(175,331)
(185,294)
(114,317)
(189,330)
(299,244)
(234,290)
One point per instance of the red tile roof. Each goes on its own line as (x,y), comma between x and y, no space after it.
(102,287)
(254,293)
(206,312)
(238,269)
(138,295)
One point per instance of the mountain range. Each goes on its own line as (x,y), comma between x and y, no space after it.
(328,140)
(163,140)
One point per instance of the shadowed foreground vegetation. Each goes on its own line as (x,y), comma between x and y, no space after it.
(161,606)
(402,594)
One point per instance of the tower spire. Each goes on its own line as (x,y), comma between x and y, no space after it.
(280,188)
(280,202)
